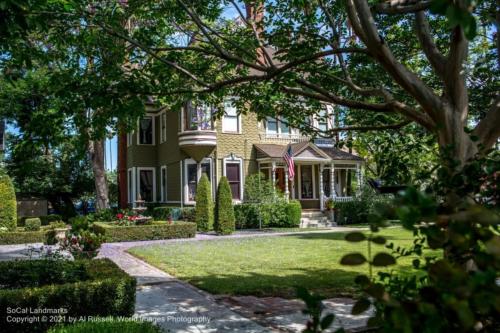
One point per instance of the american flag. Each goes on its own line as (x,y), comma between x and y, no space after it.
(289,162)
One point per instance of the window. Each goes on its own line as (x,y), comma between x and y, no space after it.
(146,131)
(231,119)
(277,126)
(163,182)
(306,182)
(197,117)
(163,129)
(233,173)
(272,125)
(323,120)
(192,176)
(284,128)
(147,184)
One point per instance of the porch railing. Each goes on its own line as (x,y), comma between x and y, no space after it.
(343,199)
(284,137)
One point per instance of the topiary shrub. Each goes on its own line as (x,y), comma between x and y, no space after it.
(32,224)
(293,212)
(8,203)
(224,211)
(204,205)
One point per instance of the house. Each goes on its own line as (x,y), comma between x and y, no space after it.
(169,151)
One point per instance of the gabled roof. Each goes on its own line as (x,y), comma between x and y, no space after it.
(306,150)
(337,154)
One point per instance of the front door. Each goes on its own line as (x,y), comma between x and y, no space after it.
(280,179)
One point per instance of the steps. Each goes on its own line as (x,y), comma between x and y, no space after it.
(315,219)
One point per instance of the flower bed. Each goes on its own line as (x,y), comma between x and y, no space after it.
(78,288)
(156,230)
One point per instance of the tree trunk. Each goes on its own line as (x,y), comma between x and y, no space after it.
(96,150)
(122,169)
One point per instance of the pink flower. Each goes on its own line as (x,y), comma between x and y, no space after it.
(119,216)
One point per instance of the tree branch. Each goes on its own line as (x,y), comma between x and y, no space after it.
(396,7)
(488,129)
(435,57)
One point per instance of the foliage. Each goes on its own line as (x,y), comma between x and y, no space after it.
(204,205)
(102,289)
(22,237)
(82,245)
(166,213)
(278,214)
(103,215)
(188,214)
(457,292)
(79,223)
(108,325)
(359,208)
(224,211)
(32,224)
(258,189)
(45,219)
(314,309)
(157,230)
(8,203)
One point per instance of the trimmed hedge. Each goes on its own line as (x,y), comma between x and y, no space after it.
(8,203)
(164,213)
(156,230)
(224,212)
(204,205)
(32,224)
(44,219)
(95,288)
(272,215)
(108,325)
(189,214)
(22,237)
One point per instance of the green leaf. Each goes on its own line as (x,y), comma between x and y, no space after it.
(378,240)
(353,259)
(362,280)
(355,237)
(327,321)
(383,259)
(439,6)
(361,306)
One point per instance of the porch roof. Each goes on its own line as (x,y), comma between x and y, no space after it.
(337,154)
(275,151)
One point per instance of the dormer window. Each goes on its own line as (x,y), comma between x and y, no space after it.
(198,117)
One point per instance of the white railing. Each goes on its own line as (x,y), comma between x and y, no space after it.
(284,137)
(343,199)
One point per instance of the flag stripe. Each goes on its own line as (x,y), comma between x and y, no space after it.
(289,162)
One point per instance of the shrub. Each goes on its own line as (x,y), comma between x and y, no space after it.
(82,288)
(79,223)
(23,237)
(165,213)
(279,214)
(83,245)
(188,214)
(8,203)
(32,224)
(246,216)
(258,189)
(294,213)
(48,219)
(157,230)
(108,325)
(204,205)
(224,212)
(357,210)
(102,215)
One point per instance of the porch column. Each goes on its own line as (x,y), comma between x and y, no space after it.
(321,192)
(273,175)
(287,192)
(358,176)
(332,181)
(198,171)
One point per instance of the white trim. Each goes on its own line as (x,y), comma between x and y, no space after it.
(238,119)
(163,191)
(130,185)
(238,160)
(163,136)
(138,181)
(153,119)
(299,166)
(130,138)
(185,185)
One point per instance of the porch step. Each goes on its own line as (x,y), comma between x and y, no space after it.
(312,214)
(315,219)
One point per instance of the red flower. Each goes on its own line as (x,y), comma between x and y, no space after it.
(119,216)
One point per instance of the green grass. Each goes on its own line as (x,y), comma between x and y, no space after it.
(270,266)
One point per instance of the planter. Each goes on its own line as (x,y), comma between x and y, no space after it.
(60,233)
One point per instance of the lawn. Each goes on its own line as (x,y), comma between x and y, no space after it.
(269,266)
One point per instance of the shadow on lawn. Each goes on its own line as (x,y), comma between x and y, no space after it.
(326,282)
(337,236)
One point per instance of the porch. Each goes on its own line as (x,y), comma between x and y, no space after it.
(317,176)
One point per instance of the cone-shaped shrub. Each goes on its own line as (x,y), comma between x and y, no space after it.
(224,211)
(8,204)
(204,205)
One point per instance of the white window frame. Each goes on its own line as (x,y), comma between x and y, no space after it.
(183,120)
(138,182)
(299,170)
(239,161)
(330,121)
(130,137)
(153,119)
(163,131)
(131,186)
(163,191)
(238,119)
(278,133)
(190,161)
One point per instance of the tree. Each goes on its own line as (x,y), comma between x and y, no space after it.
(406,61)
(8,203)
(204,214)
(224,212)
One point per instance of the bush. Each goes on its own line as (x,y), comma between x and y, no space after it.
(108,325)
(272,215)
(157,230)
(79,223)
(32,224)
(188,214)
(103,215)
(45,219)
(164,213)
(258,189)
(224,212)
(82,288)
(357,210)
(204,205)
(23,237)
(8,203)
(83,245)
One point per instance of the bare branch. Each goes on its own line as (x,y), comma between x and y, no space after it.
(488,129)
(400,6)
(436,58)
